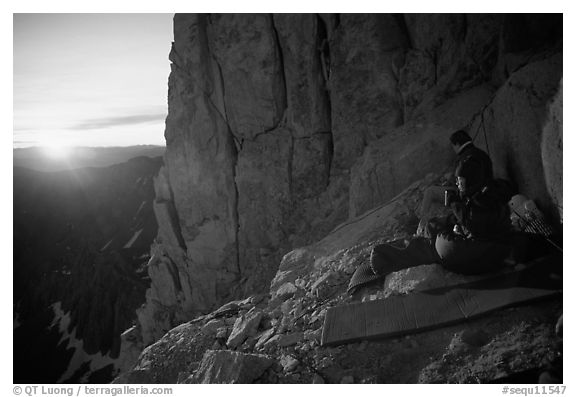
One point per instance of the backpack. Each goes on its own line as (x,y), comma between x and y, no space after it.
(486,213)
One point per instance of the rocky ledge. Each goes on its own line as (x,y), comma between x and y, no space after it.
(275,337)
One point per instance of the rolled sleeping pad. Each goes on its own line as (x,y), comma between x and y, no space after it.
(391,257)
(362,276)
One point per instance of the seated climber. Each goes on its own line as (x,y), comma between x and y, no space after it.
(477,165)
(476,237)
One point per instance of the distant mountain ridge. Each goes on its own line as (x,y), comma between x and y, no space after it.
(37,157)
(81,244)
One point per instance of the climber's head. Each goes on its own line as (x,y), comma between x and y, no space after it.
(459,139)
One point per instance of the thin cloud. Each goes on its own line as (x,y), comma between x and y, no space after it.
(108,122)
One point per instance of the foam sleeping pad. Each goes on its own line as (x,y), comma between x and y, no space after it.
(421,311)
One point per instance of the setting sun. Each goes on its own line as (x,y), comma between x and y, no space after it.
(57,152)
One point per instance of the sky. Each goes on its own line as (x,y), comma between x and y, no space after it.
(90,79)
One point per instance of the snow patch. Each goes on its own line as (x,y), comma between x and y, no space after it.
(133,239)
(106,246)
(96,361)
(140,208)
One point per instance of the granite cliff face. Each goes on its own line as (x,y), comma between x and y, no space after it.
(281,127)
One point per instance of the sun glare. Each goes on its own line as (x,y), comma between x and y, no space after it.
(57,152)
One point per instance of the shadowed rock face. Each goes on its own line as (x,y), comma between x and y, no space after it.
(367,51)
(81,238)
(281,127)
(511,128)
(552,143)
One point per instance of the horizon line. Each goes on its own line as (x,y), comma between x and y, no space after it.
(90,147)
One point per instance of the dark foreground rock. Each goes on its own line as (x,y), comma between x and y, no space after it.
(230,367)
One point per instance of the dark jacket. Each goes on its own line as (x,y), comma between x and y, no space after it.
(474,165)
(485,215)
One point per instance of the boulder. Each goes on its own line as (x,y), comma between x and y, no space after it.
(421,278)
(224,366)
(222,333)
(244,327)
(212,326)
(249,344)
(322,287)
(176,352)
(272,342)
(264,337)
(290,339)
(313,335)
(227,309)
(286,291)
(294,263)
(287,307)
(289,363)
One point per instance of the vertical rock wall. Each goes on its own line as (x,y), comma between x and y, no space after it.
(368,50)
(511,128)
(282,126)
(552,148)
(196,255)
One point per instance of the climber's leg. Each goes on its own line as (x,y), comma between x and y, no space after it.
(388,258)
